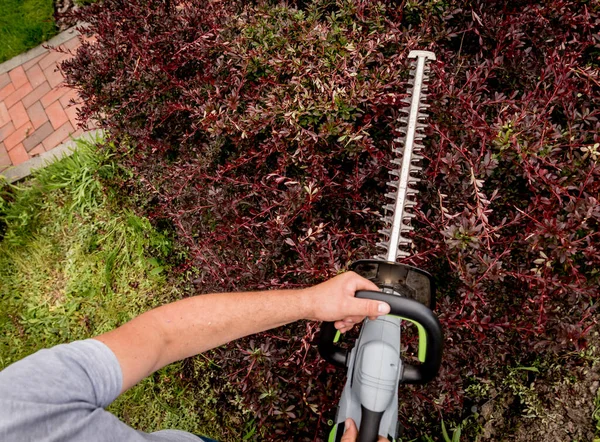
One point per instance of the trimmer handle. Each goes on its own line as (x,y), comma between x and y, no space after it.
(430,331)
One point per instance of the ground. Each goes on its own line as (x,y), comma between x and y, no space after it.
(552,404)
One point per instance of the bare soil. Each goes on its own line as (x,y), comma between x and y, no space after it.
(556,406)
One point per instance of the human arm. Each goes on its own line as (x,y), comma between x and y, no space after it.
(191,326)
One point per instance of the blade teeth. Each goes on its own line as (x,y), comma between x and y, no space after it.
(384,232)
(382,244)
(404,241)
(416,159)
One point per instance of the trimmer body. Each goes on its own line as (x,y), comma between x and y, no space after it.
(375,368)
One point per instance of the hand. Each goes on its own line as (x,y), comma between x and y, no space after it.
(334,300)
(351,433)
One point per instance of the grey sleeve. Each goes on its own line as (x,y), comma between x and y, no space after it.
(59,394)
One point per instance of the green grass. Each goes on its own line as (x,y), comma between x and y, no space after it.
(24,24)
(75,263)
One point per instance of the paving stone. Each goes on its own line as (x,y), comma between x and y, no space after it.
(18,77)
(6,91)
(53,95)
(34,61)
(51,59)
(37,114)
(18,136)
(18,154)
(38,136)
(4,79)
(18,94)
(38,150)
(54,76)
(65,100)
(58,136)
(36,75)
(4,115)
(56,114)
(4,158)
(18,114)
(36,94)
(6,130)
(71,112)
(72,44)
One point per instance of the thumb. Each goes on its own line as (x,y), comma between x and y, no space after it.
(368,307)
(351,432)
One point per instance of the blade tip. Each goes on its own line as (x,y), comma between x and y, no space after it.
(427,54)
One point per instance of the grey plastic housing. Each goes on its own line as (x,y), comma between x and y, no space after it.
(374,371)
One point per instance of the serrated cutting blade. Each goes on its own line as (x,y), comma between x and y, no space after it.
(396,219)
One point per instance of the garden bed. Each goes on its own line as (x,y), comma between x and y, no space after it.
(261,136)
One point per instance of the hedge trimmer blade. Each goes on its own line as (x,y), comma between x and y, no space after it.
(397,214)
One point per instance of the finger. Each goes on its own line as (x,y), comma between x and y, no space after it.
(368,307)
(351,432)
(360,283)
(343,328)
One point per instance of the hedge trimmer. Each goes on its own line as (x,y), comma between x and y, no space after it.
(374,366)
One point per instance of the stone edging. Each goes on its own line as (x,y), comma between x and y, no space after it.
(57,40)
(23,170)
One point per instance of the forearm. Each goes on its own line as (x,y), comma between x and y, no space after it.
(191,326)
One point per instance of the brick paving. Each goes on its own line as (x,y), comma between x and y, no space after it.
(37,112)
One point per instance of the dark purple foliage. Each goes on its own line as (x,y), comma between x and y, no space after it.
(262,135)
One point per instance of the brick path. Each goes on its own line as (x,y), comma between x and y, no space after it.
(37,112)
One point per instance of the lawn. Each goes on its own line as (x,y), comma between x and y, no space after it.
(24,24)
(73,264)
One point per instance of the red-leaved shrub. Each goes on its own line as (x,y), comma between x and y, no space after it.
(262,134)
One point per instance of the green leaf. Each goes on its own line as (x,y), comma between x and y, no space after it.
(534,369)
(456,435)
(156,271)
(445,433)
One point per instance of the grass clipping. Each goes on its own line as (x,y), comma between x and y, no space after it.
(73,264)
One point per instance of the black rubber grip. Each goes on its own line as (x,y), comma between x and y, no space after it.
(369,425)
(406,308)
